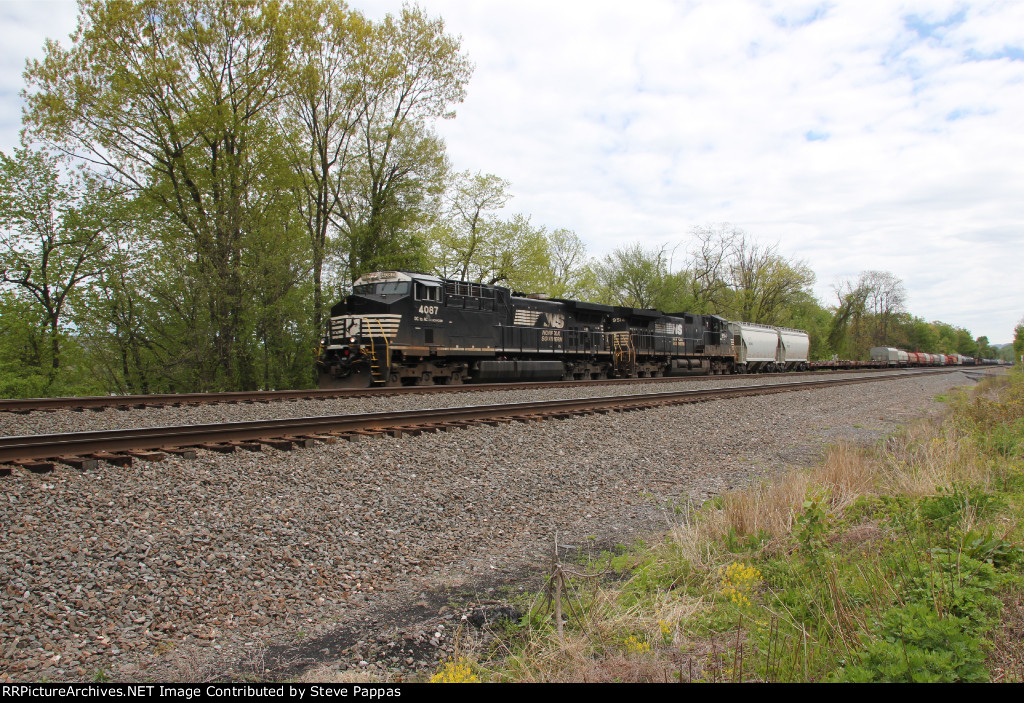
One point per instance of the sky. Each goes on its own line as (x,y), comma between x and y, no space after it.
(855,136)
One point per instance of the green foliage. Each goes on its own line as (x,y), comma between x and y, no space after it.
(915,645)
(984,546)
(811,526)
(275,149)
(950,506)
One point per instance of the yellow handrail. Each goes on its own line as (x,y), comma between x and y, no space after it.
(375,367)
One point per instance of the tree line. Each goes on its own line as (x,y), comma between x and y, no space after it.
(200,180)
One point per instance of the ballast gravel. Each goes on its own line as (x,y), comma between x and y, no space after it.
(132,573)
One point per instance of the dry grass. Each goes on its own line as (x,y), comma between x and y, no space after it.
(770,509)
(328,673)
(1007,658)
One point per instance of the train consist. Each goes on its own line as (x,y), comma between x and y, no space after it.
(402,328)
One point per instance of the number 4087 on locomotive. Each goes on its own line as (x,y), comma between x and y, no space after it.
(404,328)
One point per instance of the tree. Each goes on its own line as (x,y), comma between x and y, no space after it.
(985,351)
(885,299)
(921,336)
(764,283)
(471,222)
(55,231)
(324,107)
(569,274)
(709,265)
(732,275)
(1018,341)
(637,277)
(413,73)
(844,330)
(176,102)
(516,256)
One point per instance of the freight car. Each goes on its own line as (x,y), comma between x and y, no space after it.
(404,328)
(762,348)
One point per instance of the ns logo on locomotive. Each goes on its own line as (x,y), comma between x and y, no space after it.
(404,328)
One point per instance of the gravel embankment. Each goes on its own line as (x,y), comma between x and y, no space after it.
(131,570)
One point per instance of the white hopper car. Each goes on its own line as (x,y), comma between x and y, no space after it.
(764,349)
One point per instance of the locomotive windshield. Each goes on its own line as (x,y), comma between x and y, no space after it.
(392,288)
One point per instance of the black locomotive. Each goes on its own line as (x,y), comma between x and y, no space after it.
(404,328)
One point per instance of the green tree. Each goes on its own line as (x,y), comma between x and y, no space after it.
(324,108)
(640,278)
(921,336)
(764,283)
(471,224)
(177,102)
(844,330)
(985,351)
(806,313)
(412,74)
(54,231)
(516,256)
(569,274)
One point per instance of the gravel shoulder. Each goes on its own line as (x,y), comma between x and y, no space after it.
(366,556)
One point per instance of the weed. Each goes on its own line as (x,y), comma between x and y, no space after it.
(455,671)
(915,645)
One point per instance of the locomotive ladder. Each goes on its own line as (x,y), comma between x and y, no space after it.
(380,365)
(623,354)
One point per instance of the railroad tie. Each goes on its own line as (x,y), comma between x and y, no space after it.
(360,435)
(145,456)
(182,452)
(325,438)
(82,463)
(304,442)
(214,447)
(248,446)
(115,459)
(35,466)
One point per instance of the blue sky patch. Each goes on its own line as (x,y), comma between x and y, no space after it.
(802,20)
(929,30)
(814,135)
(1014,53)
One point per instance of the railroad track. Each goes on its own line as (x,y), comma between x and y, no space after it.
(39,453)
(130,402)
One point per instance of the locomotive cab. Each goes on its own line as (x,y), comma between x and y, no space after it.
(367,326)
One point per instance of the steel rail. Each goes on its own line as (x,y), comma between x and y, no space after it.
(50,446)
(25,405)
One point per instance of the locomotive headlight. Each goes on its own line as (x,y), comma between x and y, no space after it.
(351,340)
